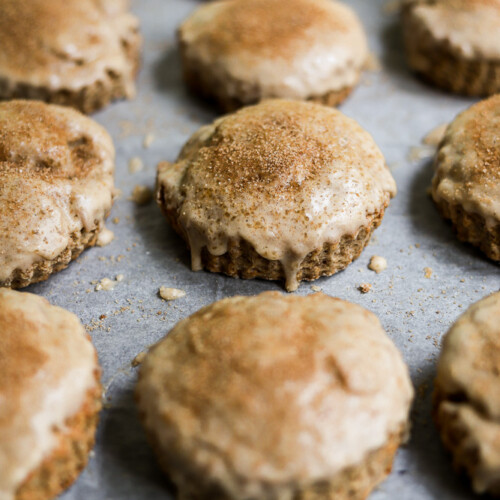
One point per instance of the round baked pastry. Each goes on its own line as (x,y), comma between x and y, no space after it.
(455,44)
(56,188)
(81,53)
(283,189)
(276,397)
(238,52)
(466,184)
(467,394)
(50,397)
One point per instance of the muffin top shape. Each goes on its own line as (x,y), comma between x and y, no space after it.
(270,391)
(273,390)
(468,161)
(286,176)
(469,28)
(56,180)
(47,366)
(293,49)
(65,44)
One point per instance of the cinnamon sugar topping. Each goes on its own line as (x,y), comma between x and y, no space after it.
(285,176)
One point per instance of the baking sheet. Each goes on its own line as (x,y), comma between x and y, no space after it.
(398,110)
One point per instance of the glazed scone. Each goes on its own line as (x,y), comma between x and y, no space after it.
(467,394)
(81,53)
(50,396)
(283,189)
(277,398)
(56,188)
(466,184)
(455,44)
(238,52)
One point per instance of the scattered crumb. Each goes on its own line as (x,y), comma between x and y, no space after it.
(105,237)
(372,63)
(148,140)
(117,193)
(377,264)
(119,278)
(428,272)
(115,220)
(365,287)
(141,195)
(135,165)
(171,293)
(417,153)
(139,359)
(433,138)
(105,284)
(315,288)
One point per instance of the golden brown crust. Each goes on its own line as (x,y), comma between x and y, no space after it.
(254,377)
(56,188)
(201,85)
(236,53)
(472,228)
(353,483)
(439,65)
(48,55)
(40,271)
(70,456)
(242,260)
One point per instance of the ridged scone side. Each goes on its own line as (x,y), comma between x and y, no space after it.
(466,184)
(283,189)
(276,397)
(455,44)
(51,396)
(238,53)
(466,398)
(56,188)
(79,53)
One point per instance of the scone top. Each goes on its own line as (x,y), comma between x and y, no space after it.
(293,49)
(68,46)
(269,394)
(468,162)
(285,176)
(469,28)
(47,366)
(56,182)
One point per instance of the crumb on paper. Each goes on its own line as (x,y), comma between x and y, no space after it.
(117,193)
(372,63)
(105,237)
(119,278)
(315,288)
(135,165)
(115,220)
(434,137)
(148,140)
(377,264)
(141,195)
(105,284)
(171,293)
(417,153)
(365,287)
(392,6)
(139,359)
(428,272)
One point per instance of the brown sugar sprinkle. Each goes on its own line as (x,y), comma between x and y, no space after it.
(276,151)
(72,154)
(481,136)
(270,28)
